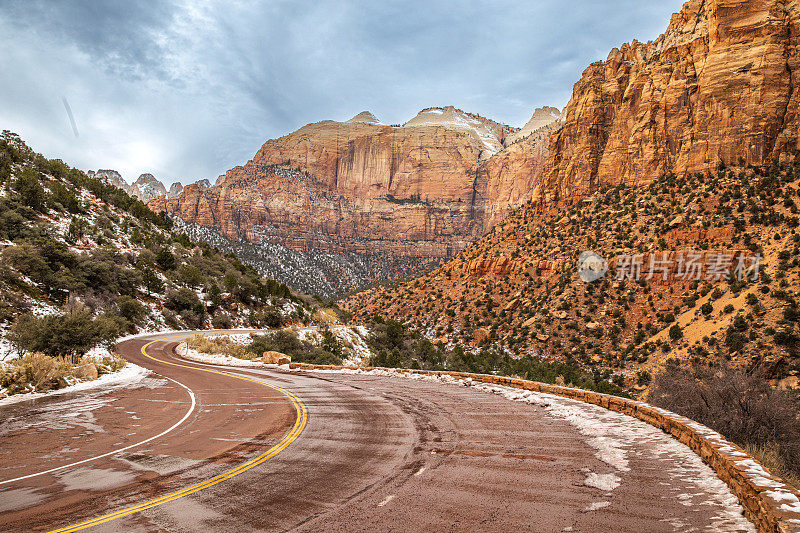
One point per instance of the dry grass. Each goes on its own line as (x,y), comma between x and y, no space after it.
(741,406)
(769,455)
(37,372)
(220,345)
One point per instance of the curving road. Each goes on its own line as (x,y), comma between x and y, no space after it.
(192,447)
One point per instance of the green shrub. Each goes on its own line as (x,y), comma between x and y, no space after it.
(74,332)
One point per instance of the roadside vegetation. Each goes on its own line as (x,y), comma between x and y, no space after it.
(740,405)
(37,372)
(82,263)
(328,351)
(395,345)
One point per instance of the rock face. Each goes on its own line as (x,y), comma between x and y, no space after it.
(718,85)
(175,190)
(425,189)
(111,177)
(147,188)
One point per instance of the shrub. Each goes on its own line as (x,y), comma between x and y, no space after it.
(675,332)
(182,300)
(742,406)
(37,372)
(132,310)
(30,191)
(269,317)
(74,332)
(165,260)
(222,321)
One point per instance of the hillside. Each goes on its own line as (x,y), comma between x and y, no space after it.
(519,287)
(82,259)
(638,168)
(357,202)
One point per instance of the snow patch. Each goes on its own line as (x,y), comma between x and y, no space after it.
(127,376)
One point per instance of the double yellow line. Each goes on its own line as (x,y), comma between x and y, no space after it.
(299,425)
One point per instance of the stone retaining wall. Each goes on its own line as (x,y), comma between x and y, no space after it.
(769,503)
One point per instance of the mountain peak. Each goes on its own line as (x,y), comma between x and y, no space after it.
(487,132)
(543,117)
(366,117)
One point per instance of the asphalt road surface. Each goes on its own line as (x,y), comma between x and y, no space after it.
(193,447)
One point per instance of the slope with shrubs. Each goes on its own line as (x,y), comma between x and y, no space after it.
(725,351)
(83,263)
(518,290)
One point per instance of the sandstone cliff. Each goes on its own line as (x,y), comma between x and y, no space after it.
(425,189)
(718,85)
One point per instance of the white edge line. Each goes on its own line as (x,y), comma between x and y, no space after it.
(130,446)
(172,428)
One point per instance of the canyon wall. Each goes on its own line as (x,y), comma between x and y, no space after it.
(427,188)
(718,85)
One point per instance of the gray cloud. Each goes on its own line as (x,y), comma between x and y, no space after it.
(187,90)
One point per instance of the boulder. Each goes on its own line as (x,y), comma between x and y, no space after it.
(481,335)
(275,358)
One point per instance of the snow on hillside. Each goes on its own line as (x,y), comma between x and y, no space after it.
(450,117)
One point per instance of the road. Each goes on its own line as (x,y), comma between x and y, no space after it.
(194,447)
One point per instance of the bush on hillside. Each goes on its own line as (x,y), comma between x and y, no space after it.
(741,406)
(330,352)
(72,332)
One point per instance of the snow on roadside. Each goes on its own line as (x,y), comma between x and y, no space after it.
(127,376)
(617,438)
(214,359)
(353,339)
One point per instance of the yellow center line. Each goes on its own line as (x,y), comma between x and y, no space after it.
(299,425)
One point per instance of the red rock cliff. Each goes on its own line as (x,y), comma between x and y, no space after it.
(424,189)
(718,85)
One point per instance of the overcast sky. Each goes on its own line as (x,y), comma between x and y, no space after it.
(186,90)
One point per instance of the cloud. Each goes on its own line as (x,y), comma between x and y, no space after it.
(186,90)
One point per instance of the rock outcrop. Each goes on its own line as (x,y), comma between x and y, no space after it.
(175,190)
(112,177)
(541,120)
(717,86)
(366,117)
(147,188)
